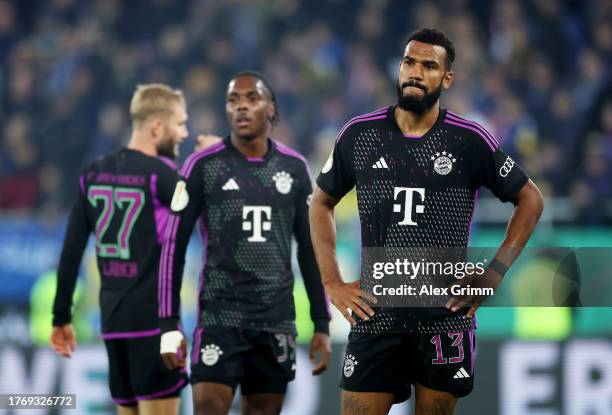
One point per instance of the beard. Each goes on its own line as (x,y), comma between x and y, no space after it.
(416,104)
(168,148)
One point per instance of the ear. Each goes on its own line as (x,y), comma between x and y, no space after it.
(156,129)
(447,81)
(270,110)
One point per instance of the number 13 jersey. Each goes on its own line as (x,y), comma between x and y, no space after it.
(417,192)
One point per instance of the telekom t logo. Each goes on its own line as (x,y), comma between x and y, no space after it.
(259,222)
(408,203)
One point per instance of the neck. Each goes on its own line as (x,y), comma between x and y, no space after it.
(256,147)
(142,143)
(412,123)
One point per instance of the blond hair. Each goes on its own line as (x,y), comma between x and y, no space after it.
(153,99)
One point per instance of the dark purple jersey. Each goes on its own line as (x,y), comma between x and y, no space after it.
(124,200)
(417,192)
(248,211)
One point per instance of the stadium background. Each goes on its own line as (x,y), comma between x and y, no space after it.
(536,73)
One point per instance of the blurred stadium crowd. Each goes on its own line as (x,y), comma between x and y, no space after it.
(536,73)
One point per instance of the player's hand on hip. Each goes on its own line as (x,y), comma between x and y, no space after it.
(319,343)
(63,340)
(490,279)
(204,141)
(349,299)
(173,349)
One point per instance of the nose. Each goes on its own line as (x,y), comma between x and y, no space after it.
(242,104)
(415,72)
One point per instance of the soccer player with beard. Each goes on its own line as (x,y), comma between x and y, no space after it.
(124,198)
(250,195)
(417,169)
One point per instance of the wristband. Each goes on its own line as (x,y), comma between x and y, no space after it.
(170,342)
(498,267)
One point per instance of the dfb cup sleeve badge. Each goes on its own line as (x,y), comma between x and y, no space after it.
(283,182)
(443,163)
(180,198)
(349,365)
(211,354)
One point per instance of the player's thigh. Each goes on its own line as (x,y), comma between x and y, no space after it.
(445,361)
(127,410)
(211,398)
(166,406)
(370,403)
(270,365)
(150,378)
(433,402)
(377,363)
(262,404)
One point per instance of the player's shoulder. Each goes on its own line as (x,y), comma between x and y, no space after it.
(164,162)
(201,156)
(292,158)
(363,122)
(288,153)
(102,162)
(471,129)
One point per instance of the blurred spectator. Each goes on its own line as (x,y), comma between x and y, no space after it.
(534,72)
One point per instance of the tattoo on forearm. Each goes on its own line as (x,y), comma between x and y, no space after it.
(352,406)
(438,407)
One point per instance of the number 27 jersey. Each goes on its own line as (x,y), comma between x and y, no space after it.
(124,200)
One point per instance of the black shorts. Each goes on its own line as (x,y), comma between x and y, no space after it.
(258,361)
(137,371)
(392,362)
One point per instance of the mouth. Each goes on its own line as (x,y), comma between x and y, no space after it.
(413,86)
(243,121)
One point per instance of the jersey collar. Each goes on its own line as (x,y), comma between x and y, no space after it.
(397,133)
(252,161)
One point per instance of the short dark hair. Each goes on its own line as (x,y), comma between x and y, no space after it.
(275,119)
(435,37)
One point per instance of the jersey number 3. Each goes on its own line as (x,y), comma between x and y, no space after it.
(129,202)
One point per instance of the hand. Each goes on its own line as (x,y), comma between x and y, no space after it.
(204,141)
(348,298)
(63,340)
(490,279)
(320,343)
(173,349)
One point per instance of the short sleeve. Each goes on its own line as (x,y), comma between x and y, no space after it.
(337,176)
(498,172)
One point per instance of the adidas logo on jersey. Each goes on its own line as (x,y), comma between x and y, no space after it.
(461,374)
(380,164)
(231,185)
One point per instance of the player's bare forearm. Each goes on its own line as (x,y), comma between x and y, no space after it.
(323,234)
(528,210)
(346,297)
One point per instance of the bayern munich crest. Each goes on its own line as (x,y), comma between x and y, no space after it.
(443,162)
(283,182)
(211,354)
(349,365)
